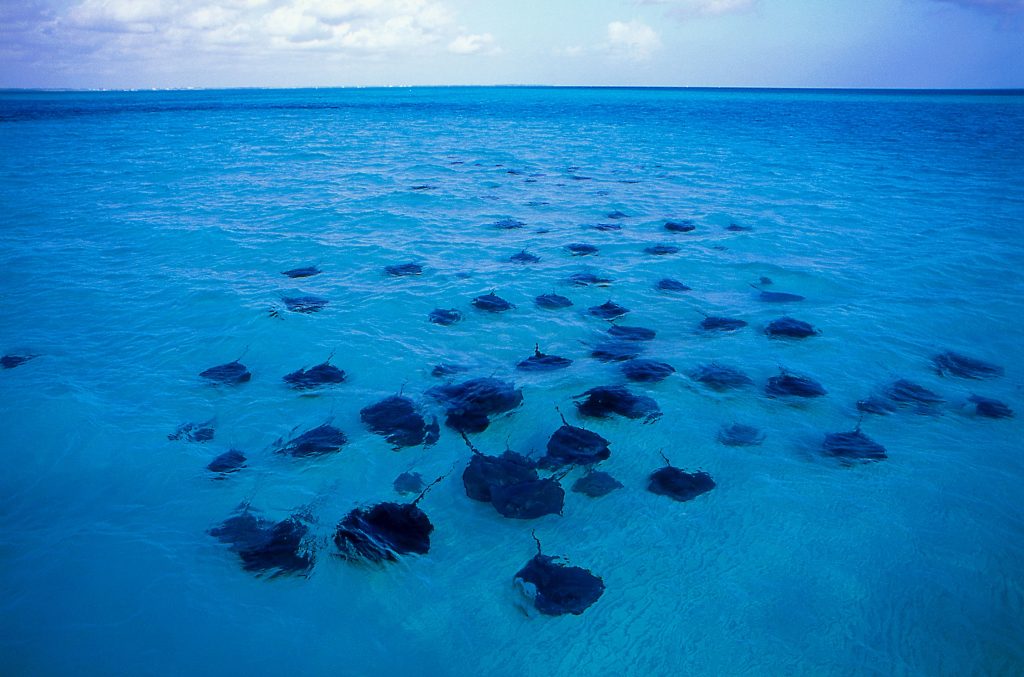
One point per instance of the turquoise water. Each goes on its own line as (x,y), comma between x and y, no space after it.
(142,240)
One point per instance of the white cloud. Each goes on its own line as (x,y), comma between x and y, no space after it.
(473,44)
(683,9)
(635,40)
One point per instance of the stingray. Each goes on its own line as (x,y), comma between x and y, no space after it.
(587,279)
(541,362)
(552,301)
(572,445)
(396,419)
(524,257)
(615,215)
(471,403)
(605,227)
(853,447)
(529,499)
(786,384)
(990,408)
(324,439)
(956,364)
(231,373)
(720,377)
(12,361)
(617,350)
(304,304)
(661,249)
(492,303)
(680,226)
(740,435)
(631,333)
(281,548)
(581,249)
(446,369)
(508,224)
(603,401)
(678,484)
(647,371)
(383,532)
(668,284)
(713,323)
(790,328)
(230,461)
(736,228)
(876,405)
(409,483)
(193,432)
(404,269)
(596,484)
(484,473)
(907,392)
(323,374)
(555,588)
(423,187)
(308,271)
(608,310)
(778,297)
(444,316)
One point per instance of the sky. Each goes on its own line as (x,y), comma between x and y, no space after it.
(128,44)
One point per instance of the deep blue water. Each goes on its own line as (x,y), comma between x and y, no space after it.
(142,236)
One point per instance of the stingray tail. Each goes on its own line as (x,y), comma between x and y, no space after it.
(429,486)
(661,452)
(533,532)
(465,438)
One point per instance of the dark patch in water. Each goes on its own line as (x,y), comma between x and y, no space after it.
(552,301)
(492,303)
(444,316)
(308,271)
(787,327)
(231,373)
(404,269)
(608,310)
(304,304)
(647,371)
(740,435)
(596,484)
(668,284)
(323,439)
(581,249)
(604,401)
(957,364)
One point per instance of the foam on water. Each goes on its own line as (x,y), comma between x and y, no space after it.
(143,239)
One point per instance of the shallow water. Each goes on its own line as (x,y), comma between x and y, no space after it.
(142,240)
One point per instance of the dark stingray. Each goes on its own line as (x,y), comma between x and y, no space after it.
(404,269)
(661,249)
(680,226)
(423,187)
(596,484)
(631,333)
(409,483)
(778,297)
(230,461)
(740,435)
(786,384)
(603,401)
(552,301)
(736,228)
(231,373)
(323,439)
(668,284)
(541,362)
(605,227)
(323,374)
(788,327)
(876,405)
(529,499)
(12,361)
(484,473)
(396,419)
(471,403)
(444,316)
(616,215)
(509,224)
(308,271)
(677,484)
(193,432)
(445,369)
(304,304)
(647,371)
(572,445)
(713,323)
(492,303)
(581,249)
(957,364)
(990,408)
(556,589)
(279,549)
(383,532)
(587,279)
(524,257)
(720,377)
(608,310)
(617,350)
(907,392)
(853,447)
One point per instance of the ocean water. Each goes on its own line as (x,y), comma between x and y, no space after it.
(142,238)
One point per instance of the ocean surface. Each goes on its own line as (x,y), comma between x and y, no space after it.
(142,240)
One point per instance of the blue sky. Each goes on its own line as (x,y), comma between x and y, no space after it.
(293,43)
